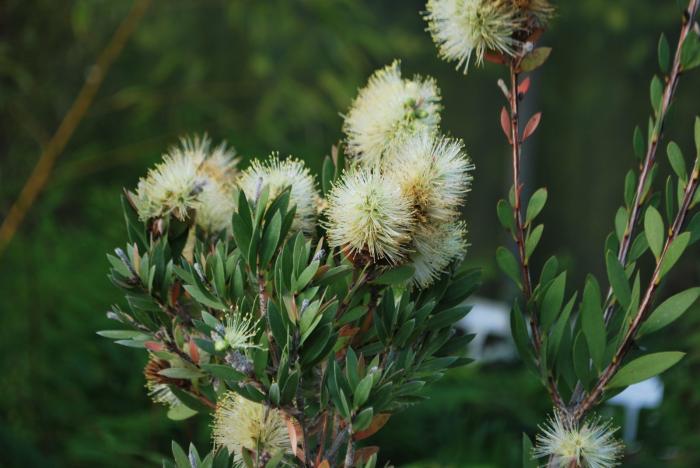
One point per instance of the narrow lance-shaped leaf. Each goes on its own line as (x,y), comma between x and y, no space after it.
(644,368)
(618,280)
(536,204)
(669,310)
(592,321)
(654,230)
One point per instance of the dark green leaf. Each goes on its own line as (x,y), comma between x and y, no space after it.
(552,301)
(533,239)
(644,368)
(618,280)
(592,322)
(396,275)
(664,54)
(507,262)
(675,157)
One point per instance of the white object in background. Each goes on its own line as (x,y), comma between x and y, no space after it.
(645,394)
(489,320)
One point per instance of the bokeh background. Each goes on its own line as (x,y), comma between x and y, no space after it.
(276,75)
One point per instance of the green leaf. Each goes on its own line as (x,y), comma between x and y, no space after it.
(505,215)
(618,280)
(630,188)
(180,413)
(674,252)
(363,420)
(690,53)
(656,93)
(669,310)
(697,135)
(204,298)
(180,373)
(518,330)
(638,143)
(528,460)
(533,239)
(535,205)
(507,262)
(270,239)
(535,59)
(664,54)
(179,455)
(552,301)
(592,322)
(224,372)
(560,327)
(120,334)
(621,217)
(675,157)
(639,246)
(654,230)
(549,270)
(327,173)
(644,368)
(396,275)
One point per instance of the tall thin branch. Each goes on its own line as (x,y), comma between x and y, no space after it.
(42,170)
(644,307)
(657,134)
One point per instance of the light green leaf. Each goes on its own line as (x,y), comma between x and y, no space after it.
(535,59)
(536,204)
(654,230)
(674,252)
(669,310)
(180,373)
(533,239)
(644,368)
(675,158)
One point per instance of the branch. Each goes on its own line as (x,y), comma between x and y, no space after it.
(519,234)
(586,404)
(650,157)
(42,170)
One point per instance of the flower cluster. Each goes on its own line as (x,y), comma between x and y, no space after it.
(241,424)
(196,182)
(466,28)
(401,201)
(592,444)
(193,179)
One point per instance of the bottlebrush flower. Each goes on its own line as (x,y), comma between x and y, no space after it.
(387,110)
(539,11)
(191,178)
(239,332)
(243,424)
(434,248)
(591,445)
(432,172)
(462,28)
(157,385)
(278,175)
(368,216)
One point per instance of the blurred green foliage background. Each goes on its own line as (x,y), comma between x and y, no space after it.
(276,75)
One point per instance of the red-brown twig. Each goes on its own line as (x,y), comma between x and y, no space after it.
(519,228)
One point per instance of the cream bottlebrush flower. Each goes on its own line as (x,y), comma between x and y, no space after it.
(387,110)
(369,216)
(592,445)
(278,175)
(243,424)
(433,172)
(538,11)
(191,177)
(157,385)
(239,332)
(462,28)
(435,247)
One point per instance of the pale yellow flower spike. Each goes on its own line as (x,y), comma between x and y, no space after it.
(388,110)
